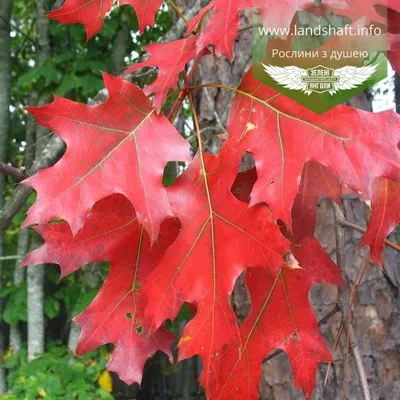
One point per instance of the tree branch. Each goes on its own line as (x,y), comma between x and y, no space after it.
(51,154)
(12,25)
(344,302)
(18,173)
(250,26)
(347,224)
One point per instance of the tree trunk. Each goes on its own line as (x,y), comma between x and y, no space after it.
(5,99)
(19,278)
(24,238)
(89,277)
(36,274)
(213,104)
(120,45)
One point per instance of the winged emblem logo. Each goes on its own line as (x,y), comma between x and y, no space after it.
(320,79)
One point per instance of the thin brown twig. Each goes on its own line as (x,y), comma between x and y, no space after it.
(12,25)
(322,321)
(344,302)
(40,140)
(353,293)
(183,94)
(178,11)
(348,224)
(250,26)
(173,112)
(335,346)
(360,274)
(18,173)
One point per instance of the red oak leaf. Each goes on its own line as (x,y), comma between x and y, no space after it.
(243,184)
(282,135)
(316,181)
(111,222)
(120,146)
(170,59)
(384,218)
(220,237)
(112,233)
(116,315)
(281,317)
(90,13)
(223,26)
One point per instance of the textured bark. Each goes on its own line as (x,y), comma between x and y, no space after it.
(213,104)
(5,98)
(120,45)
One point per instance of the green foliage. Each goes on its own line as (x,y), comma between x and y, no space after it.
(184,315)
(57,374)
(16,306)
(52,307)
